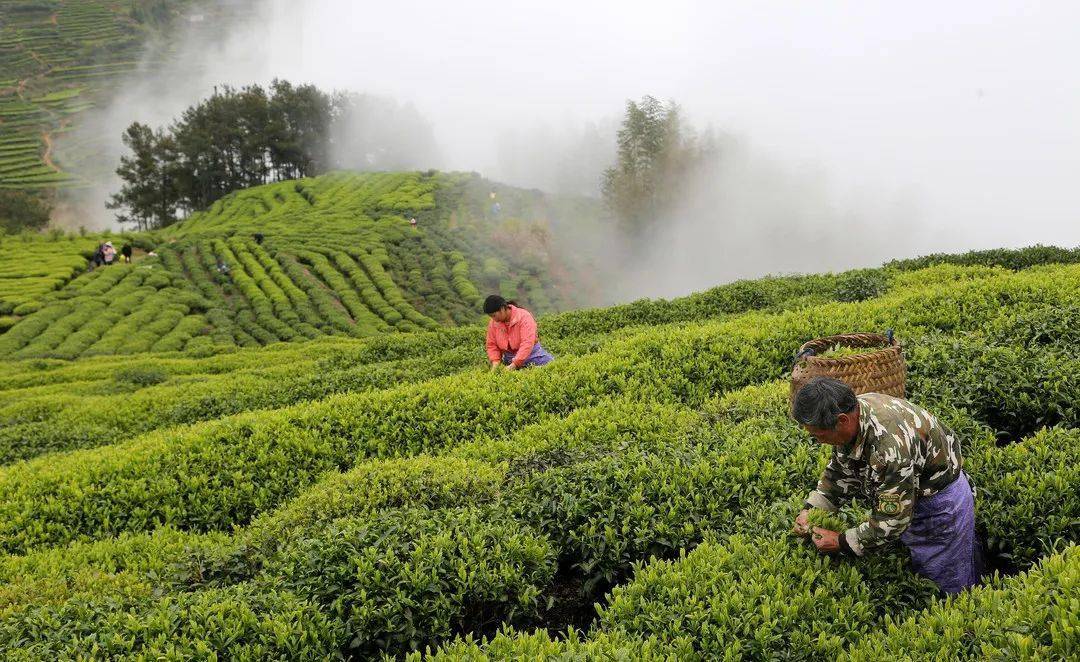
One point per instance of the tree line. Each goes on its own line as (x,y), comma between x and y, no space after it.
(234,139)
(239,138)
(657,155)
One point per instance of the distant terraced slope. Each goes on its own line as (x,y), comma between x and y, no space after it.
(59,58)
(338,257)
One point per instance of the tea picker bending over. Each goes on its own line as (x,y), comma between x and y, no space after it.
(511,336)
(908,464)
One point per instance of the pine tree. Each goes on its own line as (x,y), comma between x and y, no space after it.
(656,155)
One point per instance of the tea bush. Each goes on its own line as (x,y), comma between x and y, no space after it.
(242,622)
(302,376)
(1032,616)
(225,461)
(860,285)
(367,497)
(753,598)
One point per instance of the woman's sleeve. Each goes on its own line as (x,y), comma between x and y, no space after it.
(527,328)
(493,352)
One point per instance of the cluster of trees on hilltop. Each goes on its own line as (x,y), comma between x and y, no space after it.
(238,138)
(657,154)
(232,140)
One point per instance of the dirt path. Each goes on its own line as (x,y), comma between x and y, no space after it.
(37,58)
(46,137)
(19,89)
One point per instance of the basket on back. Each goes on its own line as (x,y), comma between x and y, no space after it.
(880,369)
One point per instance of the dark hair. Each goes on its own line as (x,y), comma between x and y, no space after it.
(495,303)
(821,400)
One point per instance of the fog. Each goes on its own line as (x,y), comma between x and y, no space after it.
(856,132)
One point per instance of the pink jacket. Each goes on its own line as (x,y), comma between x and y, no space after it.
(518,336)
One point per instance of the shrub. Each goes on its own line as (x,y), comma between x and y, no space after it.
(860,285)
(752,598)
(142,376)
(409,578)
(241,623)
(1032,616)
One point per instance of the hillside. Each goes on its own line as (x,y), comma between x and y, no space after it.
(338,257)
(59,58)
(385,494)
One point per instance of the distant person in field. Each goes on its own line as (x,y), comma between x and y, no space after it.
(108,253)
(125,250)
(258,237)
(98,258)
(908,464)
(412,222)
(511,336)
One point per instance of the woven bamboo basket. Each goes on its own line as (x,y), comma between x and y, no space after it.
(880,369)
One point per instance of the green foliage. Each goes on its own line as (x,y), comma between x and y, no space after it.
(1029,617)
(999,257)
(21,211)
(1015,390)
(656,156)
(224,461)
(860,285)
(239,138)
(347,266)
(754,598)
(142,377)
(56,60)
(241,622)
(409,578)
(826,520)
(1028,501)
(360,497)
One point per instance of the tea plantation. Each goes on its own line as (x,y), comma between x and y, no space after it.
(58,58)
(179,482)
(334,256)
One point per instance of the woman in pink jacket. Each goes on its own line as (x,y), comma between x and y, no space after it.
(511,336)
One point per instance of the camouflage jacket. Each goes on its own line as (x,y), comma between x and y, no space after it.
(902,452)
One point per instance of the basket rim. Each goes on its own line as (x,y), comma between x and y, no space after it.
(871,353)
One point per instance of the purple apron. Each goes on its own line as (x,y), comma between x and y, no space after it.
(538,356)
(942,538)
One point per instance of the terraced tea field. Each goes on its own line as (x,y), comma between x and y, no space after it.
(334,256)
(59,58)
(386,495)
(32,266)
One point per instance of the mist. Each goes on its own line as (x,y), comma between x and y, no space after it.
(857,132)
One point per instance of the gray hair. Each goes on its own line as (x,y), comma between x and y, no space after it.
(821,401)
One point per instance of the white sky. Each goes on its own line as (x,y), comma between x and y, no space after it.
(969,109)
(965,114)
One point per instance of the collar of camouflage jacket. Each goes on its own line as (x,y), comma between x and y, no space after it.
(854,450)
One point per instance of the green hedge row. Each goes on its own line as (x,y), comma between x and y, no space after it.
(445,567)
(1010,258)
(53,421)
(213,475)
(1033,616)
(366,321)
(144,412)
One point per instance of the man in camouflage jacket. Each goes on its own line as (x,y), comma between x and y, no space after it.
(907,464)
